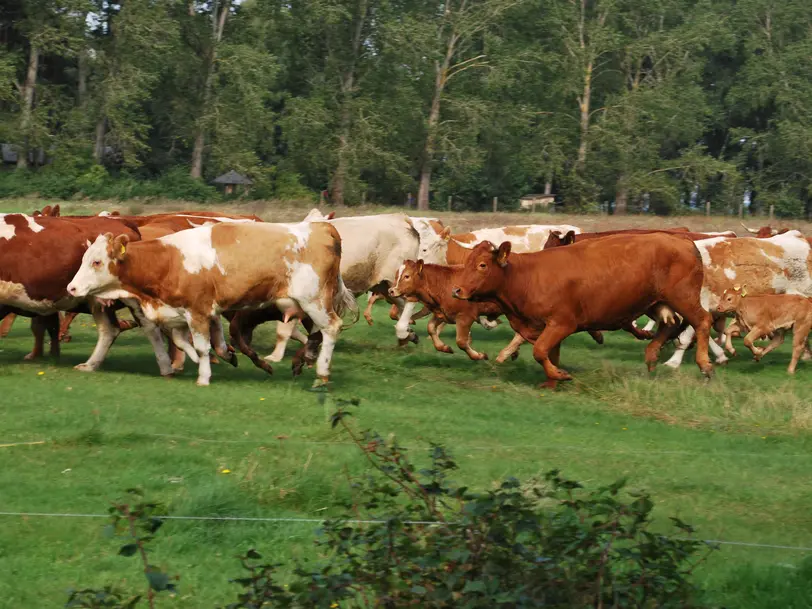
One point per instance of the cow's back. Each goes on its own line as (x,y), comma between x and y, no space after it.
(523,238)
(374,247)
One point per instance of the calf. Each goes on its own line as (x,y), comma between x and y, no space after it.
(431,284)
(769,314)
(188,279)
(602,284)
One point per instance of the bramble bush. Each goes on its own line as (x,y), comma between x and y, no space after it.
(411,537)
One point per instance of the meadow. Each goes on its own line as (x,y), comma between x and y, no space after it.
(731,456)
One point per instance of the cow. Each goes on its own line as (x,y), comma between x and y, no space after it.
(374,247)
(38,257)
(774,265)
(431,284)
(600,284)
(455,249)
(764,231)
(186,280)
(769,314)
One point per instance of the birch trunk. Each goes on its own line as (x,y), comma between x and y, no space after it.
(27,94)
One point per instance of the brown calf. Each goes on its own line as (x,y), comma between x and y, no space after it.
(431,285)
(600,284)
(765,315)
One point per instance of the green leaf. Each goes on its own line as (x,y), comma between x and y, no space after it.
(475,586)
(253,554)
(158,580)
(128,550)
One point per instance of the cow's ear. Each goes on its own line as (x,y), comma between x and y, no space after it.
(445,234)
(569,238)
(331,215)
(55,211)
(502,253)
(120,247)
(87,243)
(420,268)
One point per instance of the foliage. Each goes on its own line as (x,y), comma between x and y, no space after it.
(424,541)
(136,521)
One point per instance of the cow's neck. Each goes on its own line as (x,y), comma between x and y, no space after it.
(145,268)
(522,289)
(436,280)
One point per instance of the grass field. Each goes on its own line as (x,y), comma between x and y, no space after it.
(731,456)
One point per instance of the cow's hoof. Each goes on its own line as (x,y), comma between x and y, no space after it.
(445,349)
(321,382)
(483,356)
(213,359)
(672,365)
(561,375)
(31,357)
(412,338)
(232,359)
(202,383)
(84,368)
(721,361)
(65,339)
(548,385)
(369,320)
(273,358)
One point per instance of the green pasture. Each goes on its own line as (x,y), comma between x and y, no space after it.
(731,456)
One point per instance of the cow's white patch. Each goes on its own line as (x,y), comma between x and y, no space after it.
(707,299)
(15,295)
(301,231)
(703,245)
(303,282)
(196,249)
(165,315)
(6,230)
(730,273)
(521,242)
(32,225)
(215,219)
(314,215)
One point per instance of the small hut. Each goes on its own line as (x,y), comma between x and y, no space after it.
(232,179)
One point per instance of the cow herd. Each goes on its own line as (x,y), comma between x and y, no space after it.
(182,273)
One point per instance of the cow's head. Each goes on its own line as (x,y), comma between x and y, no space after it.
(433,246)
(484,271)
(315,215)
(556,239)
(98,274)
(731,299)
(408,279)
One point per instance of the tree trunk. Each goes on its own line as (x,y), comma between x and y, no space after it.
(340,175)
(200,130)
(584,102)
(82,77)
(98,142)
(621,197)
(27,93)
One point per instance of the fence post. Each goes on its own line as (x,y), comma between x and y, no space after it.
(495,203)
(741,211)
(449,202)
(534,207)
(707,208)
(772,211)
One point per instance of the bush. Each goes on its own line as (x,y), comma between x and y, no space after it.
(413,538)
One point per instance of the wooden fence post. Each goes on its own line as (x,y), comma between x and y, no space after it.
(449,202)
(495,203)
(741,211)
(707,208)
(772,211)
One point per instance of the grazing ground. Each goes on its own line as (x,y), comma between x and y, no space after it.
(733,456)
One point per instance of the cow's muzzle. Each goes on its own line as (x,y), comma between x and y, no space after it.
(394,293)
(457,293)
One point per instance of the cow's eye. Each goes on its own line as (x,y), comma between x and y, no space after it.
(96,263)
(483,266)
(406,276)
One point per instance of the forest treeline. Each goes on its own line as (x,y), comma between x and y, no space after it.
(642,103)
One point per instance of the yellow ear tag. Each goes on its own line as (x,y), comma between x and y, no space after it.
(123,249)
(744,292)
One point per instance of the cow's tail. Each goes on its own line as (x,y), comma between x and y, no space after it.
(345,303)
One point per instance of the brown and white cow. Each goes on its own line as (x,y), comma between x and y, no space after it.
(431,284)
(373,248)
(38,258)
(188,279)
(765,231)
(775,265)
(768,315)
(455,249)
(601,284)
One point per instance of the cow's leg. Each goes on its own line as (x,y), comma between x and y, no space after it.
(464,338)
(154,336)
(637,332)
(683,342)
(732,329)
(38,330)
(372,298)
(552,335)
(424,312)
(5,325)
(652,323)
(749,340)
(64,327)
(329,324)
(240,332)
(799,338)
(776,341)
(219,342)
(596,335)
(308,354)
(488,324)
(107,334)
(718,352)
(283,333)
(719,324)
(402,330)
(434,327)
(51,323)
(512,349)
(200,328)
(701,320)
(181,339)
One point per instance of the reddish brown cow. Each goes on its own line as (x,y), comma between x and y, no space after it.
(600,284)
(558,239)
(765,231)
(431,285)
